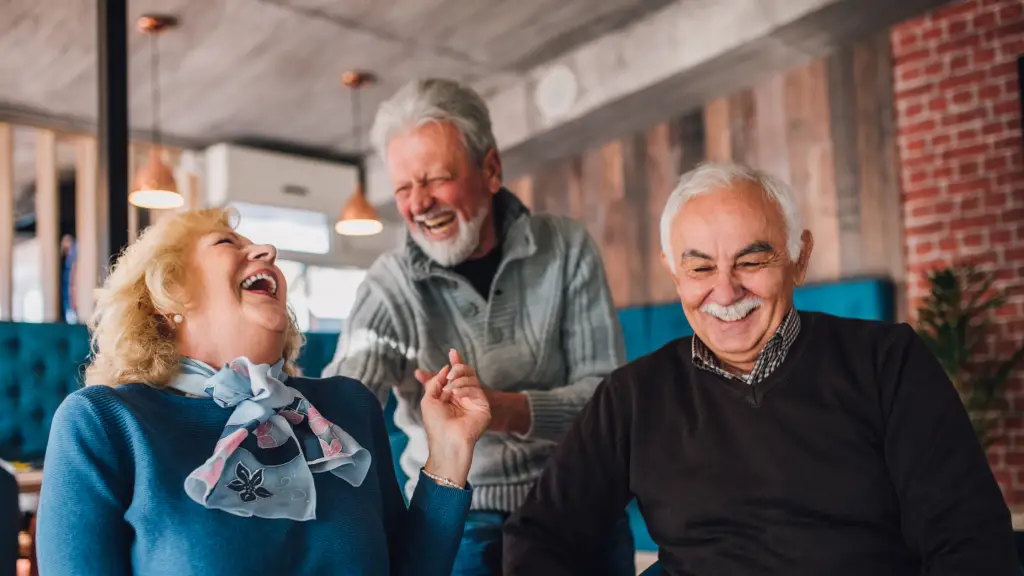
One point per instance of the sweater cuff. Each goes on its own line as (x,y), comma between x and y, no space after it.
(550,417)
(433,497)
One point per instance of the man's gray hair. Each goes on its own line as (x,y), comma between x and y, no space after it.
(435,100)
(708,177)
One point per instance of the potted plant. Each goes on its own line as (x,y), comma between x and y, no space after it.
(953,320)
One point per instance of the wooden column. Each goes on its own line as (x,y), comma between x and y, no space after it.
(48,223)
(87,217)
(6,222)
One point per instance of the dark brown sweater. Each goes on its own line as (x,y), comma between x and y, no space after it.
(855,457)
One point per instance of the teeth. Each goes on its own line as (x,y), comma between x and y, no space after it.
(436,221)
(248,282)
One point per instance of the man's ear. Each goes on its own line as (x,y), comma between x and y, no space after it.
(807,241)
(491,167)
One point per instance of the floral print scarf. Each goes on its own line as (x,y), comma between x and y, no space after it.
(273,443)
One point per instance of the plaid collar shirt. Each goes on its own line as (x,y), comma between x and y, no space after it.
(770,358)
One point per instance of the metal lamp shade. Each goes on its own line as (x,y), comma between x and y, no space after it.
(155,187)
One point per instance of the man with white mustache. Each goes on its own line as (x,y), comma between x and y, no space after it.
(772,441)
(523,297)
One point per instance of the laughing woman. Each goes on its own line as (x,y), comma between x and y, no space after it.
(196,448)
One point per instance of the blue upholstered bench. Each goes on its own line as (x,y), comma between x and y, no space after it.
(41,363)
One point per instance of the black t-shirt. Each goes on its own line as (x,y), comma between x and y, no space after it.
(481,271)
(854,457)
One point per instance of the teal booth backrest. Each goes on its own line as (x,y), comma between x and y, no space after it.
(647,328)
(40,364)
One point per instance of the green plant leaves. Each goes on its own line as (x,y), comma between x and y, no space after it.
(954,320)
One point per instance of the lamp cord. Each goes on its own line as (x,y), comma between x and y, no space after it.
(357,128)
(355,119)
(155,86)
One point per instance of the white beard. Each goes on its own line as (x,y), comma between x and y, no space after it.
(455,250)
(733,312)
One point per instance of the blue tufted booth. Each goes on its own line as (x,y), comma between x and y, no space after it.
(41,363)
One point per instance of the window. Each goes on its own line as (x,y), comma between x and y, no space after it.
(288,229)
(322,298)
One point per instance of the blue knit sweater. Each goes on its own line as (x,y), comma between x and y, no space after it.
(113,500)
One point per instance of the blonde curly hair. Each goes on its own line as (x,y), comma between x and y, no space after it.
(133,340)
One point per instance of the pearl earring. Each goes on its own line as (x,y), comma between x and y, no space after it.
(178,319)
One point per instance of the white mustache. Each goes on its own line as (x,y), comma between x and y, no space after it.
(733,312)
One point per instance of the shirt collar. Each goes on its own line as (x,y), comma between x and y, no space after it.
(770,357)
(516,236)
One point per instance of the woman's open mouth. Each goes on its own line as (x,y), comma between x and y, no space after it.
(262,282)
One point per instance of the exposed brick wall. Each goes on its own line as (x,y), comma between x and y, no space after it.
(962,169)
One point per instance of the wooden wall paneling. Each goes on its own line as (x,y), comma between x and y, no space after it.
(743,127)
(522,187)
(811,165)
(48,224)
(6,221)
(845,127)
(771,152)
(664,149)
(717,140)
(87,220)
(595,210)
(549,189)
(881,222)
(614,240)
(574,189)
(687,143)
(632,219)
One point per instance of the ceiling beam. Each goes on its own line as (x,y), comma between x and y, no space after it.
(73,126)
(669,63)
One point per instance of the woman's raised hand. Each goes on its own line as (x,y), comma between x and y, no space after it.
(455,414)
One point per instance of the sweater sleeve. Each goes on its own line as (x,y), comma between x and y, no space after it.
(424,538)
(369,348)
(953,514)
(580,495)
(87,475)
(591,341)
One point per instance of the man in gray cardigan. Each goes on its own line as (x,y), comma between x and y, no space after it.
(522,297)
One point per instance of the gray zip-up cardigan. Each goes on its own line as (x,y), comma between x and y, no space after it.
(549,330)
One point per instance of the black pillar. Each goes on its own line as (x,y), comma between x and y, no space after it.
(112,25)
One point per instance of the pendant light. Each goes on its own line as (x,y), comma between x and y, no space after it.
(154,186)
(358,216)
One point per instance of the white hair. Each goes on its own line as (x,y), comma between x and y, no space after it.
(708,177)
(435,100)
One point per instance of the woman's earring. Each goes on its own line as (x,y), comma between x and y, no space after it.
(178,319)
